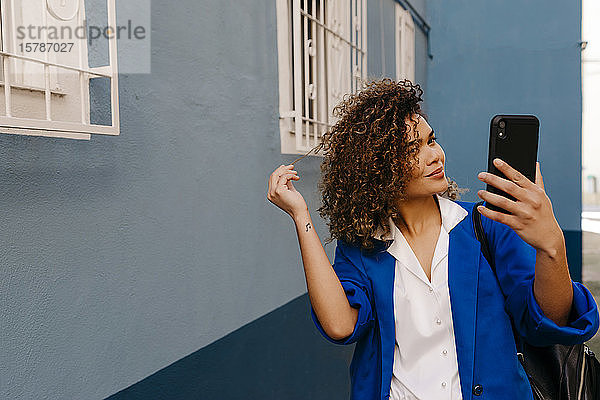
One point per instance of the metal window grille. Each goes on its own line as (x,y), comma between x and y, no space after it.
(328,58)
(42,71)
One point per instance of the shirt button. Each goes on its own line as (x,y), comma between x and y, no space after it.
(445,351)
(430,289)
(438,321)
(444,384)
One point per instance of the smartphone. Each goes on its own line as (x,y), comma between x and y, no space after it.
(514,139)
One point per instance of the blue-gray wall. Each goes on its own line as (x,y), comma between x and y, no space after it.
(495,57)
(151,265)
(122,255)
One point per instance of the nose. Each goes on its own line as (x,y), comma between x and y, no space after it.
(436,157)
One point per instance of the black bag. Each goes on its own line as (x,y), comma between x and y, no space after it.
(556,372)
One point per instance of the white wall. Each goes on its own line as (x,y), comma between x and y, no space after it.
(591,96)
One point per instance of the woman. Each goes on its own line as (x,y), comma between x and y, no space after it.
(409,284)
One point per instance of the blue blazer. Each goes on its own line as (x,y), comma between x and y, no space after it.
(486,351)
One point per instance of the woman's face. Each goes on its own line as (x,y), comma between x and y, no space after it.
(429,175)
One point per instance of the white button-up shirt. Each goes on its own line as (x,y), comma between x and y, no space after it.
(425,362)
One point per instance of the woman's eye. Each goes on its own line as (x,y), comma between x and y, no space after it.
(432,139)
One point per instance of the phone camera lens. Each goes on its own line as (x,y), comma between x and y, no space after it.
(501,124)
(501,134)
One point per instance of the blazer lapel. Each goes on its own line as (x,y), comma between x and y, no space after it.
(463,275)
(380,266)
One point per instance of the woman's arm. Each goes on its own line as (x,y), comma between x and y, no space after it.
(552,284)
(325,291)
(327,296)
(533,220)
(516,270)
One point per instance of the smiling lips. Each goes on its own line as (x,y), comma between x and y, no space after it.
(438,173)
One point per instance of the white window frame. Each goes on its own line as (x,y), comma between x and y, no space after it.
(405,44)
(83,129)
(333,56)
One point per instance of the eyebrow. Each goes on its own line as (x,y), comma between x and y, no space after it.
(421,140)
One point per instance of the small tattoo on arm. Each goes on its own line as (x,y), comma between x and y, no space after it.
(308,227)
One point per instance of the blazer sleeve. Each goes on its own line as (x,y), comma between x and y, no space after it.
(515,267)
(356,287)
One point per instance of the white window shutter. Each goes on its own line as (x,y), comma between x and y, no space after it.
(405,45)
(338,53)
(27,73)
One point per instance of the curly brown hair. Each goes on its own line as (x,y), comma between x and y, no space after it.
(368,159)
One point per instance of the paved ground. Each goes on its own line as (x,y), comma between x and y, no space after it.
(591,275)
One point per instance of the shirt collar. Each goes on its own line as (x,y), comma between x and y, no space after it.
(451,214)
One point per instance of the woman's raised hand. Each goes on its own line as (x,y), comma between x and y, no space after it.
(532,215)
(282,192)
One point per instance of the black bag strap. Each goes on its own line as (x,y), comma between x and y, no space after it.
(480,235)
(485,249)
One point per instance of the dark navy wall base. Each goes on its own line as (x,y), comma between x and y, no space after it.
(278,356)
(573,240)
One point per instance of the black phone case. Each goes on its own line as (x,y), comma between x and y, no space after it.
(518,148)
